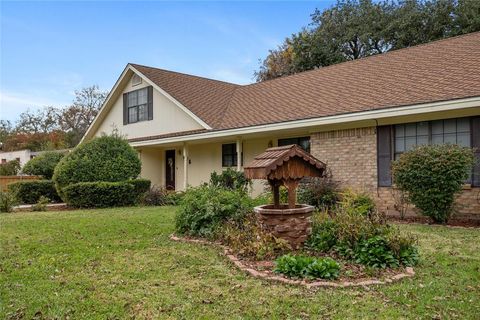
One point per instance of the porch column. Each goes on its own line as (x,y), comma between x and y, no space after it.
(185,166)
(239,154)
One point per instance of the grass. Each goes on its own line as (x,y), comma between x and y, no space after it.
(119,263)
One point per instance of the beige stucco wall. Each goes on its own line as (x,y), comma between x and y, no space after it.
(167,117)
(153,165)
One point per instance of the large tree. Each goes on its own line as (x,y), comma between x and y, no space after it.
(354,29)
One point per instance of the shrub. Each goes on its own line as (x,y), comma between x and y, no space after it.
(29,192)
(7,201)
(155,196)
(323,237)
(247,239)
(174,198)
(106,158)
(43,164)
(357,203)
(41,205)
(140,187)
(230,179)
(11,168)
(307,267)
(203,209)
(100,194)
(319,192)
(375,252)
(432,175)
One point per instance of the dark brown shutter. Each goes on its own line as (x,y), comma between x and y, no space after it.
(150,102)
(125,109)
(384,155)
(476,145)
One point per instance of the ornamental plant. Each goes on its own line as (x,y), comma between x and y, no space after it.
(307,267)
(43,165)
(432,176)
(106,158)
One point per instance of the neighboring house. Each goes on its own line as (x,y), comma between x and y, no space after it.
(356,116)
(23,156)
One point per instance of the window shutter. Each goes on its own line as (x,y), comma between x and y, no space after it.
(125,109)
(150,102)
(384,155)
(476,145)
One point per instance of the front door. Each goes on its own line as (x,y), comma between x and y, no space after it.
(170,169)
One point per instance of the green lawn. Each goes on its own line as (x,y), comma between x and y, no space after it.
(120,263)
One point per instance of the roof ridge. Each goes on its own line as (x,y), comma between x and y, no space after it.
(378,55)
(185,74)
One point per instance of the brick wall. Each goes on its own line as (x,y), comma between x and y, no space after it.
(351,155)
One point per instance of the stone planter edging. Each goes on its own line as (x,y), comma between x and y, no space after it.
(409,272)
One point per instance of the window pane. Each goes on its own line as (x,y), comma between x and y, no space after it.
(463,125)
(410,142)
(400,145)
(422,128)
(229,155)
(437,139)
(132,99)
(450,138)
(132,115)
(450,126)
(399,130)
(142,112)
(411,129)
(142,96)
(422,140)
(304,143)
(463,139)
(437,127)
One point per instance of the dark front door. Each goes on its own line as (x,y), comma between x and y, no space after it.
(170,169)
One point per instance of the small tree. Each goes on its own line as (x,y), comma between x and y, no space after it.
(43,164)
(11,168)
(432,176)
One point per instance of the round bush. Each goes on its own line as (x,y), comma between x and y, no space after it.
(106,158)
(43,164)
(432,175)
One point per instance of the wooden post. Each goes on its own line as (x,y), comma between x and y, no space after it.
(276,193)
(292,185)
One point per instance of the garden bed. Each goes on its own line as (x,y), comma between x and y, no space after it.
(352,275)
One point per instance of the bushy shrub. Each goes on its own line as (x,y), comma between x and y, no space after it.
(11,168)
(29,192)
(106,158)
(323,237)
(432,176)
(174,198)
(230,179)
(140,187)
(323,193)
(100,194)
(247,239)
(307,267)
(7,201)
(41,204)
(203,209)
(155,196)
(375,252)
(43,165)
(357,203)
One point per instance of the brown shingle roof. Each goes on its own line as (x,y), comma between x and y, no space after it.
(442,70)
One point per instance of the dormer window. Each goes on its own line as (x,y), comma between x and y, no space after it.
(138,105)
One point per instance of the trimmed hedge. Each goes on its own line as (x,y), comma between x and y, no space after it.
(102,194)
(43,164)
(107,158)
(29,192)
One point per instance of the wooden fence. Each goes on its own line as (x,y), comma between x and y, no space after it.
(5,180)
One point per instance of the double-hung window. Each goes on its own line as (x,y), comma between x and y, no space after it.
(137,105)
(229,155)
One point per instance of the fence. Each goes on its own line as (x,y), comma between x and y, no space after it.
(5,180)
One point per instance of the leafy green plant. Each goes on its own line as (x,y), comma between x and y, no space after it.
(203,209)
(140,187)
(247,239)
(432,176)
(375,252)
(41,204)
(357,203)
(100,194)
(29,192)
(323,237)
(11,168)
(44,164)
(106,158)
(230,179)
(7,201)
(307,267)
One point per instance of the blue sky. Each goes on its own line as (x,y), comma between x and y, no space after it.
(50,49)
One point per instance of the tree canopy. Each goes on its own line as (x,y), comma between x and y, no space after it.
(353,29)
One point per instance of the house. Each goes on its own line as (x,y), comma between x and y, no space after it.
(355,116)
(22,156)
